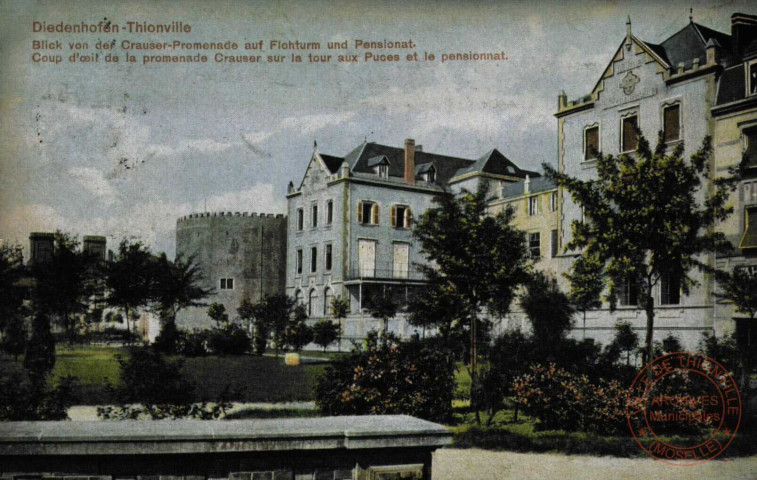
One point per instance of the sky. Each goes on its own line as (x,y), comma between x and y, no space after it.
(123,150)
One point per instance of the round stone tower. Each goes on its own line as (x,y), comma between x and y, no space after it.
(241,256)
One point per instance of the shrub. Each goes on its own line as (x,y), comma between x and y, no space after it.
(194,343)
(169,339)
(388,376)
(325,332)
(230,339)
(29,397)
(566,401)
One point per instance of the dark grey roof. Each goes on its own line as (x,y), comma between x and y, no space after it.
(732,85)
(425,167)
(372,162)
(689,43)
(332,163)
(495,163)
(536,185)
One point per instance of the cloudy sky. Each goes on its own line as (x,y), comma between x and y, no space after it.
(123,150)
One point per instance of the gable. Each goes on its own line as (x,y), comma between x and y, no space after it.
(317,173)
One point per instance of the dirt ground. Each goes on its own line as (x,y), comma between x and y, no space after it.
(473,464)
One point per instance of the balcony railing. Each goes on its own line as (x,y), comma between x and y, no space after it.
(385,271)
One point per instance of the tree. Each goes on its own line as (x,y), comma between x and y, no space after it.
(340,308)
(586,283)
(325,332)
(39,359)
(14,340)
(62,286)
(271,316)
(11,292)
(297,333)
(476,258)
(549,310)
(625,339)
(383,308)
(130,278)
(178,285)
(645,220)
(217,312)
(437,309)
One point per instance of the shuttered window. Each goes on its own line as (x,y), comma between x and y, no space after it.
(629,131)
(749,239)
(591,143)
(672,123)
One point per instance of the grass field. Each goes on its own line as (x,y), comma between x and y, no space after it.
(250,379)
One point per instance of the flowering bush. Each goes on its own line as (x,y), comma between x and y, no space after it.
(388,376)
(561,400)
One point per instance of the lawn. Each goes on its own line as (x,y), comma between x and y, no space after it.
(250,379)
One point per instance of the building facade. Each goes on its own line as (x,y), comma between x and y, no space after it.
(241,256)
(648,88)
(350,225)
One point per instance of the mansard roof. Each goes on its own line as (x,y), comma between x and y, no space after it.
(496,163)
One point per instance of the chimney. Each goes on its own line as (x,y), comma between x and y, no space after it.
(743,31)
(419,148)
(410,161)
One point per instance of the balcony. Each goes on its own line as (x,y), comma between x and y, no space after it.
(383,272)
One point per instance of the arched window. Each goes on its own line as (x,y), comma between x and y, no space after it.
(312,303)
(298,297)
(328,297)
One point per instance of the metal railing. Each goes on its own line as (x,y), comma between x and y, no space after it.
(384,271)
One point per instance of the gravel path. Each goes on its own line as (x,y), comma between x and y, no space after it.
(473,464)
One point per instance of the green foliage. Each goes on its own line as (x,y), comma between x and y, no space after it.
(25,397)
(644,221)
(129,278)
(586,283)
(40,350)
(297,333)
(740,288)
(160,389)
(566,401)
(326,332)
(389,377)
(169,339)
(383,308)
(229,339)
(340,307)
(625,340)
(14,339)
(548,308)
(217,312)
(11,293)
(271,315)
(177,285)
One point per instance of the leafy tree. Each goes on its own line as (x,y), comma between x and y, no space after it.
(14,341)
(383,308)
(625,339)
(297,333)
(438,309)
(586,283)
(247,311)
(340,308)
(645,222)
(478,259)
(130,278)
(549,310)
(62,286)
(217,312)
(178,285)
(11,292)
(24,397)
(389,377)
(229,339)
(325,332)
(40,350)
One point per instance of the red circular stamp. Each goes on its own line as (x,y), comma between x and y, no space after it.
(684,408)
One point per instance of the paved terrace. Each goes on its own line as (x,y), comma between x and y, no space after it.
(277,449)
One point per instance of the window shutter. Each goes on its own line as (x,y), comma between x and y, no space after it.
(375,211)
(394,216)
(359,212)
(408,218)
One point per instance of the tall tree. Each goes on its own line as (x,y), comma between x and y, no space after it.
(12,311)
(130,278)
(177,285)
(476,258)
(62,286)
(548,309)
(271,315)
(645,218)
(586,284)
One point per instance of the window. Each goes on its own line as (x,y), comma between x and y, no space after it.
(749,239)
(312,300)
(328,257)
(534,244)
(401,216)
(227,284)
(671,119)
(670,290)
(628,293)
(401,260)
(431,175)
(329,212)
(629,132)
(591,142)
(298,297)
(300,219)
(752,78)
(553,243)
(383,170)
(533,205)
(553,202)
(299,261)
(750,145)
(368,213)
(328,298)
(314,216)
(313,259)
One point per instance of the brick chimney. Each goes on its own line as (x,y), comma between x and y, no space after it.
(410,161)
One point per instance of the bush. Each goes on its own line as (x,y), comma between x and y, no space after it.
(230,339)
(566,401)
(325,332)
(25,397)
(389,377)
(157,384)
(169,339)
(194,343)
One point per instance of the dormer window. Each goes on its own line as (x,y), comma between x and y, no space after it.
(380,166)
(383,171)
(431,175)
(751,78)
